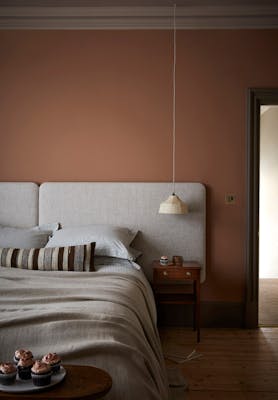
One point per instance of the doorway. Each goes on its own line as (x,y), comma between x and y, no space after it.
(257,98)
(268,217)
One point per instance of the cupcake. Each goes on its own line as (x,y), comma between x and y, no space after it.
(24,366)
(7,373)
(22,353)
(41,373)
(53,360)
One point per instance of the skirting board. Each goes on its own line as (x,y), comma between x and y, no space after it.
(213,315)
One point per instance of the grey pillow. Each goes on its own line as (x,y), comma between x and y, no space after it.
(26,238)
(112,241)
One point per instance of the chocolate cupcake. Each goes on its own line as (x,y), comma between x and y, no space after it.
(53,360)
(24,366)
(22,353)
(7,373)
(41,373)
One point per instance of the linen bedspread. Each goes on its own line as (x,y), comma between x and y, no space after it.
(104,318)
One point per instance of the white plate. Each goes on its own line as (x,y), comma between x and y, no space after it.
(20,385)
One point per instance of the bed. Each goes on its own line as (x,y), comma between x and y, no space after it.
(102,313)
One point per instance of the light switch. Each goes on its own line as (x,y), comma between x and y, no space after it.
(230,198)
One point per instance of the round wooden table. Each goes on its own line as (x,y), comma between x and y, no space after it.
(80,383)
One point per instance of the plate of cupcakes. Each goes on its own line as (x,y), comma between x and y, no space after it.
(25,374)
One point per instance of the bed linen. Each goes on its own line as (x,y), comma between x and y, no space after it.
(105,318)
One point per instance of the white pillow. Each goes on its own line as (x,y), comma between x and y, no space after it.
(112,241)
(27,238)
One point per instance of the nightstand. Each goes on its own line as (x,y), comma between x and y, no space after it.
(178,285)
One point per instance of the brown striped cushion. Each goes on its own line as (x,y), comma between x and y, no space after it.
(70,258)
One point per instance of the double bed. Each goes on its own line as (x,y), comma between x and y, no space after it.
(92,308)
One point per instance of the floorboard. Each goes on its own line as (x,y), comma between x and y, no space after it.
(268,302)
(234,363)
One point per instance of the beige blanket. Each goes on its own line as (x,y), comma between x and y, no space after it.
(105,319)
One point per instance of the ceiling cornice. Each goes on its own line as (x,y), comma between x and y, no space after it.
(133,17)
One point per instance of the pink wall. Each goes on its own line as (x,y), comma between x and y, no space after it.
(96,106)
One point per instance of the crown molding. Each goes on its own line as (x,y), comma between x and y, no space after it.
(133,17)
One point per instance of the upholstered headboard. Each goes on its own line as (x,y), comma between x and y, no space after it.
(133,205)
(19,204)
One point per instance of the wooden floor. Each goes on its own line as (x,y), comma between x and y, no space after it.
(236,364)
(268,302)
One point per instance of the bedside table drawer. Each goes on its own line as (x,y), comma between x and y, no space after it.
(174,274)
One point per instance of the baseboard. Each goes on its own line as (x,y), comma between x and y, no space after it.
(213,314)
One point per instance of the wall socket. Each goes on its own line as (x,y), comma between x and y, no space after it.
(230,198)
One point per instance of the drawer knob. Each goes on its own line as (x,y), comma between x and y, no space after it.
(165,273)
(188,273)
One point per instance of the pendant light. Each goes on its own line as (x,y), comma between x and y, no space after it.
(174,205)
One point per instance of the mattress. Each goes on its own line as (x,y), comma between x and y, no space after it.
(105,318)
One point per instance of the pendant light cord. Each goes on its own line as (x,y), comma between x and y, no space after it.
(174,99)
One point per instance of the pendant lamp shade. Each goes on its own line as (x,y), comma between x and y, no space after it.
(173,205)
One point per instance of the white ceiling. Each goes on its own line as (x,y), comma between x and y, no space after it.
(266,108)
(138,14)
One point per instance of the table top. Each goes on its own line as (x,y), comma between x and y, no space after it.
(80,383)
(186,264)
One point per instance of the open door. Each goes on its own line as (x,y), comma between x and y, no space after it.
(268,217)
(256,99)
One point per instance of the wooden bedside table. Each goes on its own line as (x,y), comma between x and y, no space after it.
(80,383)
(178,285)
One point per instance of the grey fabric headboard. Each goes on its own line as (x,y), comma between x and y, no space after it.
(19,202)
(133,205)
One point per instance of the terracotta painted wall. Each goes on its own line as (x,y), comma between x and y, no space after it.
(96,106)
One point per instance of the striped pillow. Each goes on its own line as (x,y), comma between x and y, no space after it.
(70,258)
